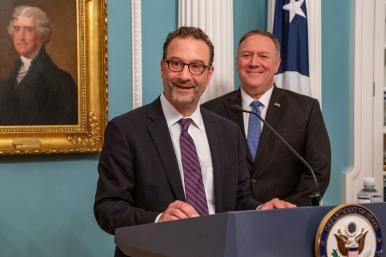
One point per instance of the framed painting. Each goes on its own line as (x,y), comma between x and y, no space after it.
(53,76)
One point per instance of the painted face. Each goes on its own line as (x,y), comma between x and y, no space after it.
(257,63)
(26,39)
(182,88)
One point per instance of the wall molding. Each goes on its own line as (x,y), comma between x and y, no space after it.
(136,53)
(215,17)
(368,97)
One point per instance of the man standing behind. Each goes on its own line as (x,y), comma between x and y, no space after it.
(168,160)
(274,170)
(37,92)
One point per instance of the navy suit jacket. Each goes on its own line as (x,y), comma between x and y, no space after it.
(276,172)
(139,175)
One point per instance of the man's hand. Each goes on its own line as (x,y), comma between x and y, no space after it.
(178,210)
(276,204)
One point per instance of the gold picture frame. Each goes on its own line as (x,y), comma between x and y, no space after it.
(91,75)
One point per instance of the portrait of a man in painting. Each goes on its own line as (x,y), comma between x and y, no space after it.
(53,76)
(34,88)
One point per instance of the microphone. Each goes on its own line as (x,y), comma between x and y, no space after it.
(315,196)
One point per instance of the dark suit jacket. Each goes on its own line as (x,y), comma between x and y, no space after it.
(47,95)
(276,172)
(139,175)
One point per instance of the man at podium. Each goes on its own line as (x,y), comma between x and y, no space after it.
(170,159)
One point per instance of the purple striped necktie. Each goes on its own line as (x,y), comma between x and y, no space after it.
(194,186)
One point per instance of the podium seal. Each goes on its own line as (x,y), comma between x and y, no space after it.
(349,230)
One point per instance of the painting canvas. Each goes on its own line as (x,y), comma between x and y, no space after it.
(53,76)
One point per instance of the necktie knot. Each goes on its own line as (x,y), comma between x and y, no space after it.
(185,123)
(256,106)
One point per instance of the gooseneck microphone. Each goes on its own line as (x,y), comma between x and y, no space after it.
(315,196)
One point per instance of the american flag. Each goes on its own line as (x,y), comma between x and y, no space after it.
(290,27)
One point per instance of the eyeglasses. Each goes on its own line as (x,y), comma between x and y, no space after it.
(194,68)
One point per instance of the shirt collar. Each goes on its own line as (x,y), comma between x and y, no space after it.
(25,60)
(247,99)
(172,116)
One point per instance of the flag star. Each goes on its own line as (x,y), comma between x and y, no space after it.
(294,7)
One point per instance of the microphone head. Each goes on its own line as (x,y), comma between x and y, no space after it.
(236,108)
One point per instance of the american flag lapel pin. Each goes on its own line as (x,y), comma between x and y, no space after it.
(277,104)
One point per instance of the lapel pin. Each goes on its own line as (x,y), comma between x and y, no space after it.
(277,104)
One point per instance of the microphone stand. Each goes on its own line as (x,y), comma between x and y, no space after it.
(315,196)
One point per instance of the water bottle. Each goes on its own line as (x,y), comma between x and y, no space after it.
(369,194)
(384,189)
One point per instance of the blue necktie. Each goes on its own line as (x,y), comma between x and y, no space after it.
(254,129)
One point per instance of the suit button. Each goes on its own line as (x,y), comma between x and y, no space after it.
(253,181)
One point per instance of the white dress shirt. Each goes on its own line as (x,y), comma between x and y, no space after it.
(197,132)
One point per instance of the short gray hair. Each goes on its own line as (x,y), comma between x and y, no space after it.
(40,17)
